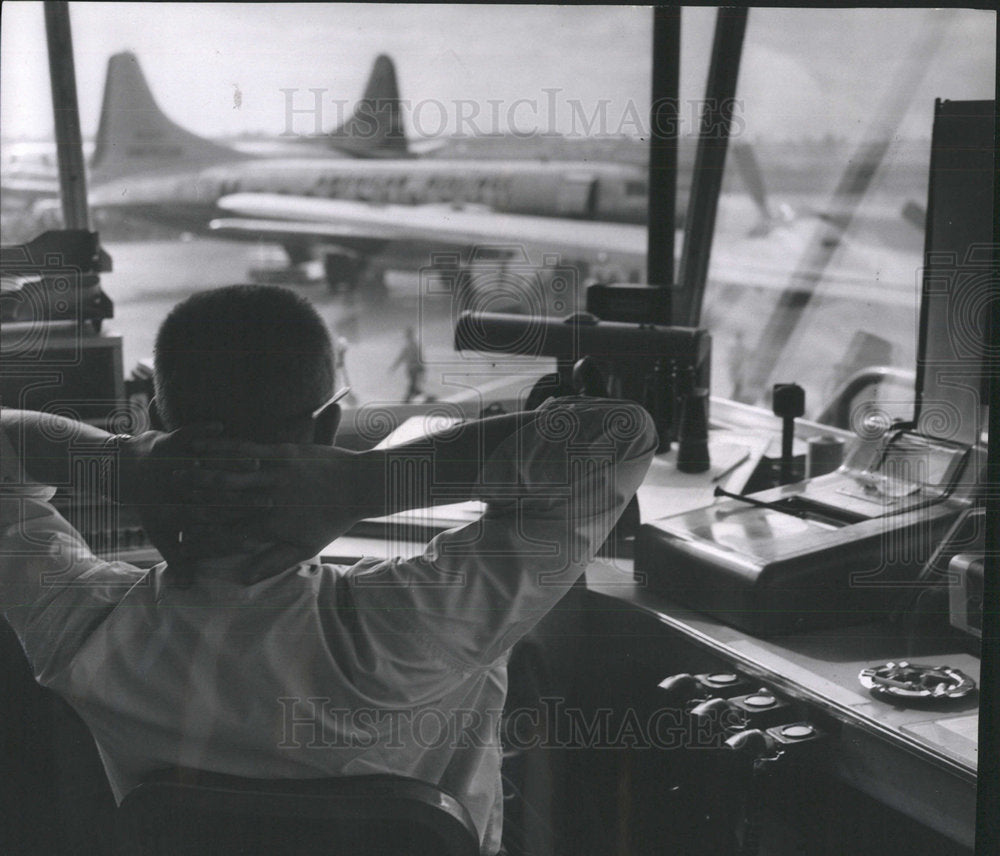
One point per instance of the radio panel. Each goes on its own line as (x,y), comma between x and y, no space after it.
(837,549)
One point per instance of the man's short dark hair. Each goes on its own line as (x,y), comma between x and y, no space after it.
(253,357)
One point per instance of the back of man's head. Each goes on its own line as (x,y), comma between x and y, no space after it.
(256,358)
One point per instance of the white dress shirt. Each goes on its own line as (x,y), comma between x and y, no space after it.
(388,666)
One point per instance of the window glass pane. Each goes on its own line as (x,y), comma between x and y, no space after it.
(27,156)
(552,101)
(534,85)
(817,251)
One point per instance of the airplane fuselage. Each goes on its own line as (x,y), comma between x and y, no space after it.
(571,190)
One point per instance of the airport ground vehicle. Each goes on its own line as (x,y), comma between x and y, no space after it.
(906,778)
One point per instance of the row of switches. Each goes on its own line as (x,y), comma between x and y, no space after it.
(746,718)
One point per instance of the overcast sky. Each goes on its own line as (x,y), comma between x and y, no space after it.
(805,72)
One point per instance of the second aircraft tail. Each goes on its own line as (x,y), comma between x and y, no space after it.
(375,129)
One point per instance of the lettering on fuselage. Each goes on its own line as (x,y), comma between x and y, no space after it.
(492,191)
(550,194)
(570,193)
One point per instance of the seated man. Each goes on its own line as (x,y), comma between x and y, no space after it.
(243,653)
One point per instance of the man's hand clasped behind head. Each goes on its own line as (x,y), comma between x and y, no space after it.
(149,477)
(273,502)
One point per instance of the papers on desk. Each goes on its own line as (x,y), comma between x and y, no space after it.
(664,491)
(440,516)
(418,427)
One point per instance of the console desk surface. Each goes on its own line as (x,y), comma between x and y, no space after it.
(920,760)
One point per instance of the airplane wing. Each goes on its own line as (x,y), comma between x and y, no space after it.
(336,219)
(32,188)
(281,232)
(365,227)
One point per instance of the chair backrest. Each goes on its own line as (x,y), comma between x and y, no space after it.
(182,811)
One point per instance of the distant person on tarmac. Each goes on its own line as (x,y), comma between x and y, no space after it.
(340,345)
(413,361)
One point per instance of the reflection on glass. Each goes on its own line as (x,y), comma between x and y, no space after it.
(817,254)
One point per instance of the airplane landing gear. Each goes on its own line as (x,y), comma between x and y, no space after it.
(350,274)
(298,254)
(342,271)
(372,281)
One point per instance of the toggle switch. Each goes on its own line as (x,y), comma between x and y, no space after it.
(796,733)
(678,690)
(752,741)
(762,708)
(724,684)
(802,742)
(718,716)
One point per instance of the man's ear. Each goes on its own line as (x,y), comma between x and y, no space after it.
(155,422)
(325,426)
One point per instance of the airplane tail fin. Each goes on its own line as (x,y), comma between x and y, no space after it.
(753,179)
(135,136)
(375,129)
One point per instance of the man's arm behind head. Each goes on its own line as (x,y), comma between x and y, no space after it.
(554,489)
(581,452)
